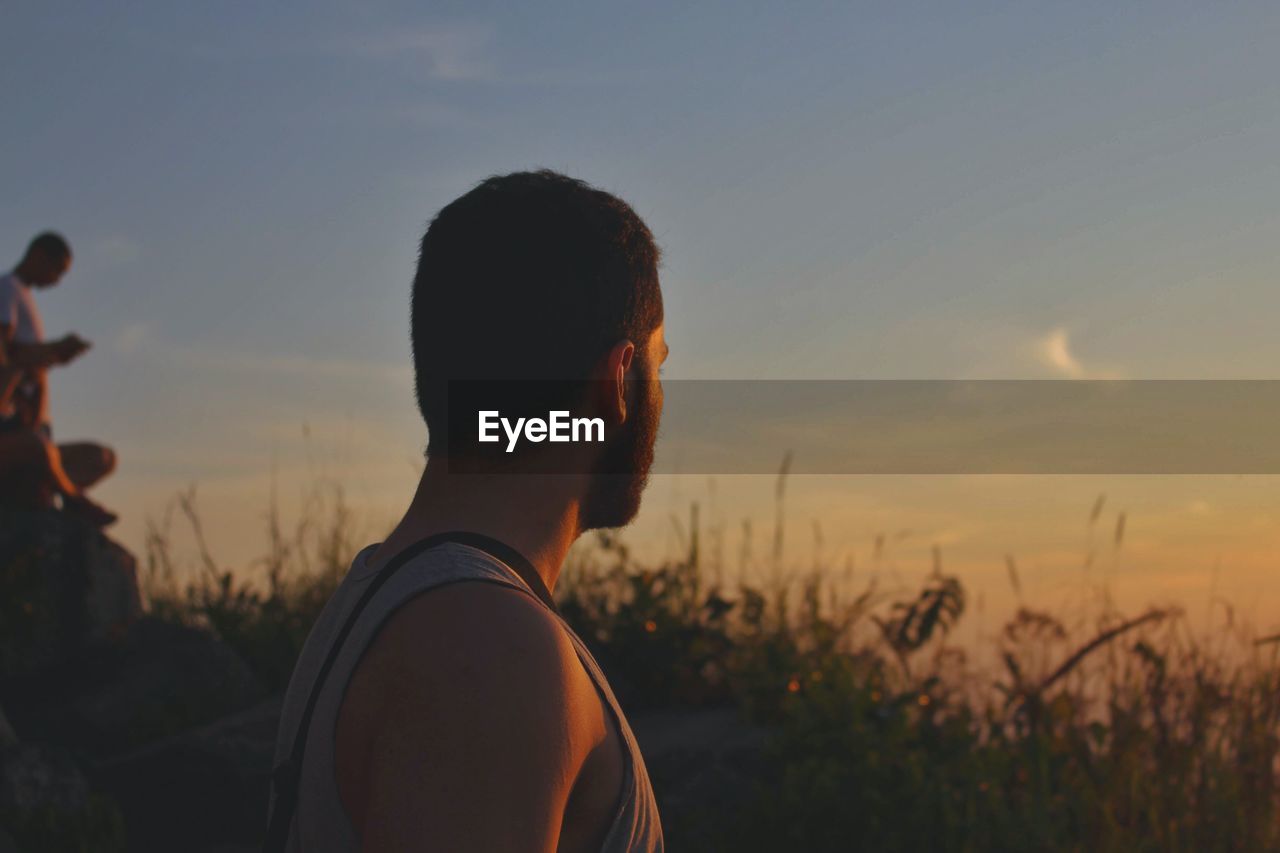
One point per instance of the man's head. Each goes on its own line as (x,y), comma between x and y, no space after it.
(46,261)
(547,288)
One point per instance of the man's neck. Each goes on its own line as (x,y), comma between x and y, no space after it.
(537,515)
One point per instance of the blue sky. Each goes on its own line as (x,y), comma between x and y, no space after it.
(926,190)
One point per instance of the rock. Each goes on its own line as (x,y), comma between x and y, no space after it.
(713,731)
(64,587)
(705,764)
(208,784)
(46,803)
(36,777)
(162,678)
(8,742)
(8,737)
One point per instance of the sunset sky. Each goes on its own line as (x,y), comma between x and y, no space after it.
(894,190)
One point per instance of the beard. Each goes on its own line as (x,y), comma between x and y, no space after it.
(622,471)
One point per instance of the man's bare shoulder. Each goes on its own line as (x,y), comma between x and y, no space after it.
(478,633)
(469,657)
(471,693)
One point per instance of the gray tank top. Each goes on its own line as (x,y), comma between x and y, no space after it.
(320,823)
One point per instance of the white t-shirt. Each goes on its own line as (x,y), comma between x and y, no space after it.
(18,311)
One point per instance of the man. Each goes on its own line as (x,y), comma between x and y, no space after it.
(32,468)
(458,712)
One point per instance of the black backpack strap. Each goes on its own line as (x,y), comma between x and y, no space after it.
(286,776)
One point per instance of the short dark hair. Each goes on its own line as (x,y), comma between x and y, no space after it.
(51,244)
(529,276)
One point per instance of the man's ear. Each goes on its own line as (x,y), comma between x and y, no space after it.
(610,382)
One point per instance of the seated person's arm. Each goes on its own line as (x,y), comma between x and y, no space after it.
(10,375)
(482,730)
(49,354)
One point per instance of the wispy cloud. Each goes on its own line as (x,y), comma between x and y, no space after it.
(1055,352)
(130,338)
(446,53)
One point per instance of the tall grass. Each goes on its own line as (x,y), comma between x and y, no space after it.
(1131,734)
(264,613)
(1128,733)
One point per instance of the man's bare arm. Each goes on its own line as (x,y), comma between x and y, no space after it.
(481,724)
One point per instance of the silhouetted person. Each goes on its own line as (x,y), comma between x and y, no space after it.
(33,469)
(460,712)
